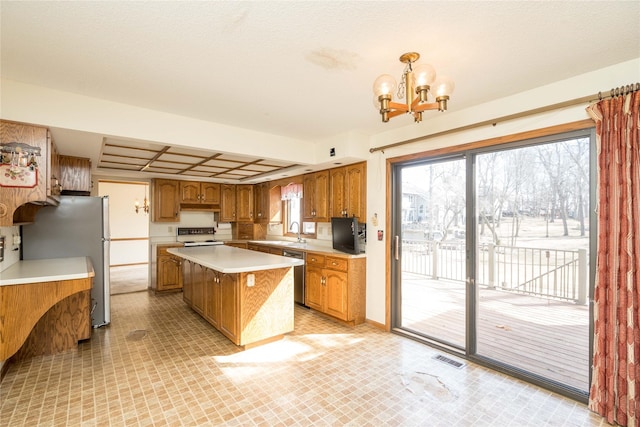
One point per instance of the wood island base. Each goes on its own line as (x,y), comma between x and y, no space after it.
(249,308)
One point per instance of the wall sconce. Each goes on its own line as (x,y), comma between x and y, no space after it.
(145,203)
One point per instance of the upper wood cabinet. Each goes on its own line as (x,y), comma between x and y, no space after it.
(199,192)
(261,202)
(347,190)
(267,203)
(228,203)
(45,189)
(314,197)
(75,173)
(166,201)
(244,203)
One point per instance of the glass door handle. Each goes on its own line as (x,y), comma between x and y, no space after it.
(396,250)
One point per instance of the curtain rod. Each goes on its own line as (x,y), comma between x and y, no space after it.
(622,90)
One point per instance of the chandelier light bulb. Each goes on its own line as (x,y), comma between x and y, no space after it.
(443,87)
(384,85)
(423,75)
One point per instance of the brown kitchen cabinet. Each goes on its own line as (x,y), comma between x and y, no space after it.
(261,202)
(166,200)
(241,245)
(315,202)
(347,191)
(187,280)
(75,173)
(257,247)
(264,248)
(227,310)
(20,204)
(169,270)
(267,203)
(197,288)
(250,231)
(214,296)
(228,203)
(244,202)
(336,286)
(193,192)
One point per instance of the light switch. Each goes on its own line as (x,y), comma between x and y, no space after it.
(251,279)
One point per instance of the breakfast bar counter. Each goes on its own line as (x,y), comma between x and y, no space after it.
(246,295)
(227,259)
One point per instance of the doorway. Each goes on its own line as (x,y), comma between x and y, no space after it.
(493,256)
(129,226)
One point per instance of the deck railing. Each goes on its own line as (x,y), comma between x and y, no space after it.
(549,273)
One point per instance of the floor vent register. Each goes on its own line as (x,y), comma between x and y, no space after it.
(449,361)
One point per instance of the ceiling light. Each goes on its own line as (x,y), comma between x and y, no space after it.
(418,87)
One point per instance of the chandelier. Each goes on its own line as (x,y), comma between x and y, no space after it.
(418,87)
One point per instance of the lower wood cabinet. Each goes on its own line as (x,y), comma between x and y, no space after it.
(214,296)
(247,314)
(168,273)
(241,245)
(336,286)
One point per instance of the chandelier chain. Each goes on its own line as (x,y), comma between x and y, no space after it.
(402,87)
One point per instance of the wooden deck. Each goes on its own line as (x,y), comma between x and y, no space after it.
(545,337)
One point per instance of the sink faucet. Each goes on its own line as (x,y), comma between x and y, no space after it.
(300,240)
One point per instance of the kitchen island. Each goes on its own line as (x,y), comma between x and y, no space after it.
(246,295)
(45,306)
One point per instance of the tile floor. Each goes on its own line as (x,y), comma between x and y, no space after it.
(160,364)
(129,278)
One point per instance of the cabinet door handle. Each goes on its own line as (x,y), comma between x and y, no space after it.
(202,197)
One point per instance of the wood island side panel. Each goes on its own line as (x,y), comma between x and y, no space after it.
(266,309)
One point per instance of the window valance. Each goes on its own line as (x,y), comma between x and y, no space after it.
(291,191)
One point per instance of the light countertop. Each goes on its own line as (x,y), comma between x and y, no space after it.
(227,259)
(306,247)
(47,270)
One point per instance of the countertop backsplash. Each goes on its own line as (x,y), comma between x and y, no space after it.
(11,250)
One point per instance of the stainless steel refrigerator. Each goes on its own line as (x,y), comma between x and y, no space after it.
(78,226)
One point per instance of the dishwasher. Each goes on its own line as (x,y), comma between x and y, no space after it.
(298,276)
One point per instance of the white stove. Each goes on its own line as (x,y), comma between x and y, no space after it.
(197,236)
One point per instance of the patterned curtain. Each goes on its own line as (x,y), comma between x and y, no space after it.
(615,390)
(291,191)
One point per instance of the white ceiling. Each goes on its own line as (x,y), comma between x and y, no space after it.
(303,69)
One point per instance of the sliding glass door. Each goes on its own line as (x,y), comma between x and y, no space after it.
(532,259)
(492,256)
(432,231)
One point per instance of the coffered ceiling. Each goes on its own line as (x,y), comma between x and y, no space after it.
(153,159)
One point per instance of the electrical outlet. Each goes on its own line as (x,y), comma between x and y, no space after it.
(251,280)
(332,152)
(170,229)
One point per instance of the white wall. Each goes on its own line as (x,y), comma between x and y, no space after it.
(124,222)
(578,87)
(39,105)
